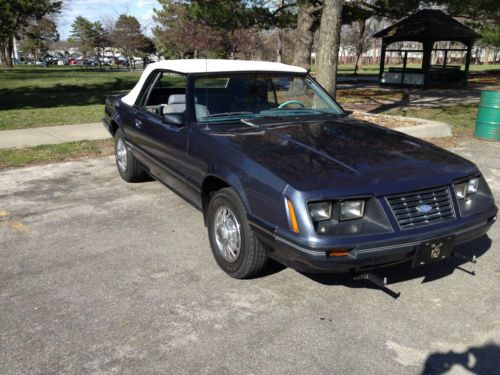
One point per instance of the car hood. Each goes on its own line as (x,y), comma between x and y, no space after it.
(346,156)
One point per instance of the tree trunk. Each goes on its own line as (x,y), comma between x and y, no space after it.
(360,46)
(9,48)
(357,65)
(329,42)
(279,48)
(99,57)
(304,35)
(3,54)
(478,58)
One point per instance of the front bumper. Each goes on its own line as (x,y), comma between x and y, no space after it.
(368,255)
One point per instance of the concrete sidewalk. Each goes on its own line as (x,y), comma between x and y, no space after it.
(20,138)
(50,135)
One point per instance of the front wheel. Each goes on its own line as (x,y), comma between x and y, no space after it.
(234,244)
(128,166)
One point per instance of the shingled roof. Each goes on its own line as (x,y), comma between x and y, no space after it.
(427,24)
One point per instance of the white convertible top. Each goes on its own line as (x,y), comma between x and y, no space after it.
(209,66)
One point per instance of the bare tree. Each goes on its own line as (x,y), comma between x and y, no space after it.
(329,42)
(249,43)
(358,36)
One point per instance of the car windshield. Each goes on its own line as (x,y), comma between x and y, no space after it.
(230,98)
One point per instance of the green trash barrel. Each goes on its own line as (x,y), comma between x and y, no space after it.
(488,116)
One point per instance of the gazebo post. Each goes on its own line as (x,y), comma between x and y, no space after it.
(426,59)
(405,59)
(382,62)
(467,61)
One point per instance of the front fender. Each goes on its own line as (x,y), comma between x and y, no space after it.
(230,178)
(260,191)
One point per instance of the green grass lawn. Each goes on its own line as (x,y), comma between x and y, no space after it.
(32,96)
(39,96)
(348,69)
(52,153)
(462,118)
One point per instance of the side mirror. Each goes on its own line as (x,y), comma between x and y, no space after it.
(176,119)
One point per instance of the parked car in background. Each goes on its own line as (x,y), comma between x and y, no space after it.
(279,170)
(72,61)
(105,60)
(91,62)
(121,61)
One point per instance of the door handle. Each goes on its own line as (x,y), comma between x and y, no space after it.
(138,123)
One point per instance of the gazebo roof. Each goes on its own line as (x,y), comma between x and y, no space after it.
(427,24)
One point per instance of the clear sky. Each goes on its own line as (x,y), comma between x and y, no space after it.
(98,10)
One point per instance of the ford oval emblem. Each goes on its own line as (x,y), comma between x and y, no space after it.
(424,208)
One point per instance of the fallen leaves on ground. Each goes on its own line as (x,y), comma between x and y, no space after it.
(386,121)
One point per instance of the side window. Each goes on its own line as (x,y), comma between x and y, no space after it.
(166,94)
(271,92)
(146,89)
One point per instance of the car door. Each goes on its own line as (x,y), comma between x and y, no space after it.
(162,143)
(166,144)
(132,121)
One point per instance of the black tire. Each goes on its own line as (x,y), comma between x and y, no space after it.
(252,256)
(131,170)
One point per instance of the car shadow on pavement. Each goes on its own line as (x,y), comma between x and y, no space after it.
(272,267)
(480,360)
(403,271)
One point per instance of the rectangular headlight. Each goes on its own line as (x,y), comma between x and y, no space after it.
(320,211)
(472,185)
(461,190)
(465,188)
(350,210)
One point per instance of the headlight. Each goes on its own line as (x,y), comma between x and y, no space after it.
(461,190)
(320,211)
(350,210)
(465,188)
(472,185)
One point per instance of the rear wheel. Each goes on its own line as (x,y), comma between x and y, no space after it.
(234,244)
(128,166)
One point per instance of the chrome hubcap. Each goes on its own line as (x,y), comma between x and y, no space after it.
(121,155)
(227,234)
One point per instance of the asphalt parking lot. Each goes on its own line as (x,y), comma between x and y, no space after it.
(100,276)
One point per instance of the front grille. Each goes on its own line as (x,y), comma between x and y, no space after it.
(404,207)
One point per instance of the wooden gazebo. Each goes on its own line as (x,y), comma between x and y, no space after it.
(427,27)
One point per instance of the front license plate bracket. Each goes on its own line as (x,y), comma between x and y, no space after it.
(434,250)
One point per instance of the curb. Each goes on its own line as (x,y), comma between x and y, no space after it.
(432,129)
(423,129)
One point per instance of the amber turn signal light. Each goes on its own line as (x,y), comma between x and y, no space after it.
(292,217)
(337,253)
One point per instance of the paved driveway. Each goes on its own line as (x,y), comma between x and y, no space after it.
(100,276)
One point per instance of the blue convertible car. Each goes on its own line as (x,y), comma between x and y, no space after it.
(280,170)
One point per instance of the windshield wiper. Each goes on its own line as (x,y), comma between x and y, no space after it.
(300,109)
(225,114)
(289,109)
